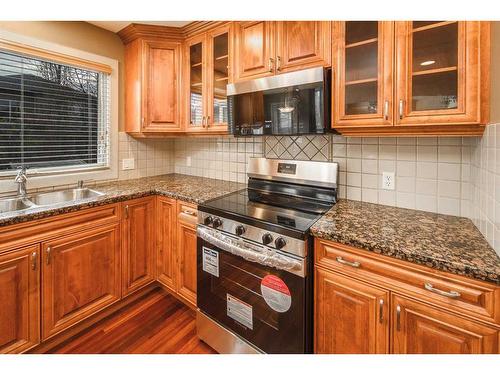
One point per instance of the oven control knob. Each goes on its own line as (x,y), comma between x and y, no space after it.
(280,243)
(208,220)
(267,238)
(217,222)
(240,229)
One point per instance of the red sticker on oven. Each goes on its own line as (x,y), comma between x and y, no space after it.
(276,293)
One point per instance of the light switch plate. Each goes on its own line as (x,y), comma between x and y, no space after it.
(388,182)
(128,164)
(188,161)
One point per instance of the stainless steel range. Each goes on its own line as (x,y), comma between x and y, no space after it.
(254,257)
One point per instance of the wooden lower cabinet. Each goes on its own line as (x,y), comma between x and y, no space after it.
(421,329)
(351,317)
(166,235)
(19,299)
(81,275)
(138,244)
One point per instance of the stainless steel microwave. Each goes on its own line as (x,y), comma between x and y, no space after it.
(286,104)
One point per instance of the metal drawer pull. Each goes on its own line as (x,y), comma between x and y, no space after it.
(190,213)
(398,317)
(48,251)
(381,311)
(451,293)
(347,263)
(33,260)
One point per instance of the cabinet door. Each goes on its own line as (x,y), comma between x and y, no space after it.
(81,275)
(138,241)
(421,329)
(186,251)
(166,231)
(363,73)
(218,63)
(438,68)
(302,44)
(196,82)
(254,49)
(350,316)
(161,86)
(19,299)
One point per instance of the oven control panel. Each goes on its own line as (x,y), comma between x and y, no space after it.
(270,239)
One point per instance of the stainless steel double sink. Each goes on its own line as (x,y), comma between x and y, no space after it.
(46,199)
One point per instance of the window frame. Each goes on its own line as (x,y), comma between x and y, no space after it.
(56,176)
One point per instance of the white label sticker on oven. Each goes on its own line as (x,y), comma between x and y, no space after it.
(211,261)
(276,293)
(240,311)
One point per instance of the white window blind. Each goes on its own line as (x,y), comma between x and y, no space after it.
(52,116)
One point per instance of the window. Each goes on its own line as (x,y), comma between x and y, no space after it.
(53,116)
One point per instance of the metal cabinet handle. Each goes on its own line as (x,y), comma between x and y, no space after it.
(352,264)
(34,255)
(49,254)
(208,121)
(398,317)
(203,122)
(401,108)
(386,110)
(126,211)
(278,63)
(191,213)
(271,63)
(381,310)
(450,294)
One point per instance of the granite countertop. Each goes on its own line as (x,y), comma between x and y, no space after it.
(444,242)
(187,188)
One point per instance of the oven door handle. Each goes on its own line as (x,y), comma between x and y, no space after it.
(264,256)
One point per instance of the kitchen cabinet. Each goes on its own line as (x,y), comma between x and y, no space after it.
(20,299)
(421,329)
(368,303)
(152,87)
(81,275)
(166,241)
(411,78)
(350,316)
(138,244)
(186,251)
(207,63)
(265,48)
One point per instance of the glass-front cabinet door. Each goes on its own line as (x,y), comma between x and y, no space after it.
(433,60)
(362,70)
(196,80)
(218,78)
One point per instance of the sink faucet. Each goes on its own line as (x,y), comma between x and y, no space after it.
(20,180)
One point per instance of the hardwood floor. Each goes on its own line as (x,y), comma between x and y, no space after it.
(156,323)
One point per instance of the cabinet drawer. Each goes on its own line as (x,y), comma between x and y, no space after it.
(456,293)
(187,213)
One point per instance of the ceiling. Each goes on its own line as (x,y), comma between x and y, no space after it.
(116,26)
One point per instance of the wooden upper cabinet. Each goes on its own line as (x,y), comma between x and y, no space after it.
(138,244)
(254,49)
(351,317)
(363,73)
(152,86)
(207,75)
(161,86)
(421,329)
(166,234)
(19,299)
(302,44)
(441,70)
(81,275)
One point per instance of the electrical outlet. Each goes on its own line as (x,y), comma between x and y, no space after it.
(388,181)
(188,161)
(128,164)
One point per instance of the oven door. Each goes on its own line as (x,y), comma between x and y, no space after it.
(263,305)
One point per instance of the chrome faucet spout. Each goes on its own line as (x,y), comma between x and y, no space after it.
(20,180)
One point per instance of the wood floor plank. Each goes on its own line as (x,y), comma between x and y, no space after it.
(156,323)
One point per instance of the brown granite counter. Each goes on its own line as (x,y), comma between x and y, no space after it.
(187,188)
(444,242)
